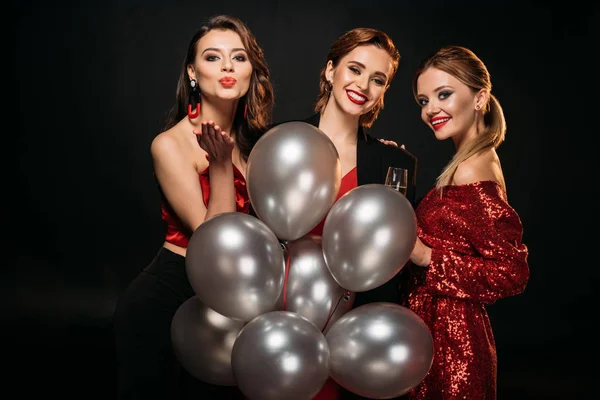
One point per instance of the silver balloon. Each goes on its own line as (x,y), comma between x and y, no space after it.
(280,355)
(380,350)
(235,265)
(203,340)
(294,175)
(310,291)
(368,236)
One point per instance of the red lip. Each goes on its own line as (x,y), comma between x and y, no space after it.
(441,124)
(228,81)
(353,99)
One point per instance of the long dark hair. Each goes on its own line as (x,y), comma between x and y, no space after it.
(259,99)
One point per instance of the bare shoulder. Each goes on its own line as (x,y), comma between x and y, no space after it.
(164,144)
(484,166)
(177,146)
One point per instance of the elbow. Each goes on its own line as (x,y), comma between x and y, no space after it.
(522,277)
(515,279)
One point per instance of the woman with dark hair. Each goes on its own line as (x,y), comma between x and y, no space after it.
(223,105)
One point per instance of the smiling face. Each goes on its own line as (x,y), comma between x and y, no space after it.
(221,67)
(448,106)
(360,79)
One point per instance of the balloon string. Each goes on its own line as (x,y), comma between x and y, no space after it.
(285,282)
(333,308)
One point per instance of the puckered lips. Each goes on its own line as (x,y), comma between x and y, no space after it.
(227,81)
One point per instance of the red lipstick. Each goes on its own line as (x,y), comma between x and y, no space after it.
(358,98)
(438,122)
(228,81)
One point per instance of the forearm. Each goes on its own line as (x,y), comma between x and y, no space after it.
(473,277)
(421,254)
(222,191)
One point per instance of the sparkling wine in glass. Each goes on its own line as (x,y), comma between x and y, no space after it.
(397,179)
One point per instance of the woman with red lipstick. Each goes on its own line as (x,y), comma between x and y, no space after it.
(359,70)
(223,105)
(360,67)
(469,251)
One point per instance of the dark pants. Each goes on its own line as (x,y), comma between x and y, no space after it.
(147,367)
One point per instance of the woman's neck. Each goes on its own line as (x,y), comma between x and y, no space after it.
(478,128)
(338,125)
(221,112)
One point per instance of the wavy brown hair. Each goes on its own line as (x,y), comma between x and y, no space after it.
(344,45)
(260,97)
(465,66)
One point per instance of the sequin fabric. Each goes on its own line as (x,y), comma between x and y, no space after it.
(477,258)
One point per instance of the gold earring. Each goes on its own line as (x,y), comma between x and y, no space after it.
(477,107)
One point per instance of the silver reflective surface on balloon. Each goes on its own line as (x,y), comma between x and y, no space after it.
(380,350)
(203,340)
(368,236)
(235,265)
(311,290)
(280,355)
(294,175)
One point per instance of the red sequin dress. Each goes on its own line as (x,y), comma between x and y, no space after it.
(477,258)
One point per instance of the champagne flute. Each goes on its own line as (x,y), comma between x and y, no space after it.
(397,179)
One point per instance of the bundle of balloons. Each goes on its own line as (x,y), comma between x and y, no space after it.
(273,310)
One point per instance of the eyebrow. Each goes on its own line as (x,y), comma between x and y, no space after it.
(220,50)
(437,89)
(442,87)
(363,66)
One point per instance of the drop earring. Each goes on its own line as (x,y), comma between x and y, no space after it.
(194,100)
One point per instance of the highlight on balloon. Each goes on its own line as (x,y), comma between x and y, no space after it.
(274,302)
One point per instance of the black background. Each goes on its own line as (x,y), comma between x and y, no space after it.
(88,89)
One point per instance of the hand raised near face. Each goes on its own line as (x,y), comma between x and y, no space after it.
(217,143)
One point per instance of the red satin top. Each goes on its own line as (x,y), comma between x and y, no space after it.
(349,182)
(331,390)
(177,234)
(477,258)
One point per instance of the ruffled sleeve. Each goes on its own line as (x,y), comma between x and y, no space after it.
(496,266)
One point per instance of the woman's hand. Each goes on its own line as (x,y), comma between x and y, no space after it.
(421,254)
(391,143)
(217,143)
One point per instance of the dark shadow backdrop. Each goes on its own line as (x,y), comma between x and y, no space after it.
(89,86)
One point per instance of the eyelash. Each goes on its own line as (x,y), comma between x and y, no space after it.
(239,58)
(444,93)
(376,80)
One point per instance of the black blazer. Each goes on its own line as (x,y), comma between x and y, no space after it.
(373,159)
